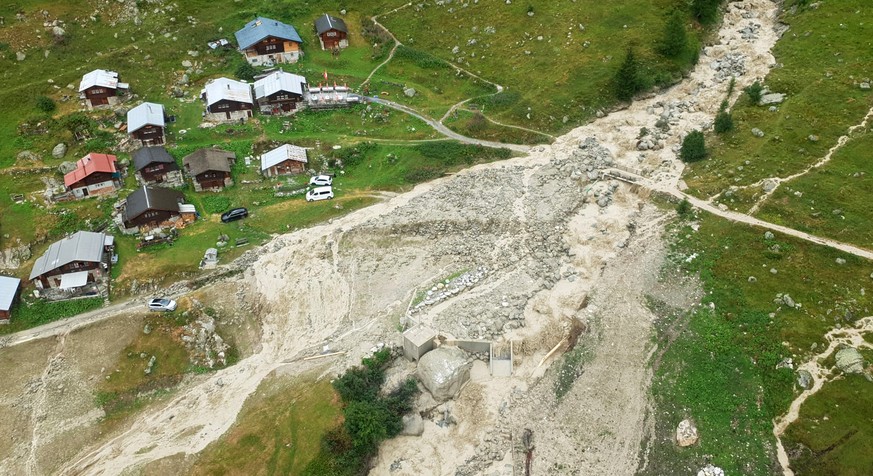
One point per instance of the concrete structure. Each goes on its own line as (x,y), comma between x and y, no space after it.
(418,341)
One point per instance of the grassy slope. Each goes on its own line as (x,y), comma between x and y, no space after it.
(721,368)
(560,76)
(823,56)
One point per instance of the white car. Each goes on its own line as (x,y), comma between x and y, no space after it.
(319,193)
(320,181)
(162,305)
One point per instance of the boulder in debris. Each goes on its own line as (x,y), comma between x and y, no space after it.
(686,433)
(413,425)
(444,371)
(850,361)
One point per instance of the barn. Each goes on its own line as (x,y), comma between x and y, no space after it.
(332,32)
(279,92)
(227,100)
(266,42)
(146,124)
(284,160)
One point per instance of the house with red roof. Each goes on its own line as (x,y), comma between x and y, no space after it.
(95,174)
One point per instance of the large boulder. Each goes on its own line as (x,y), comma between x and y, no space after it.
(443,371)
(59,151)
(686,433)
(850,361)
(413,425)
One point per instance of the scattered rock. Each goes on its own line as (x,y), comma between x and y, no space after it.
(788,301)
(757,132)
(804,379)
(865,86)
(187,64)
(812,138)
(443,371)
(772,98)
(769,185)
(27,155)
(850,361)
(59,151)
(66,167)
(20,56)
(409,92)
(753,279)
(710,470)
(840,261)
(413,425)
(686,433)
(768,235)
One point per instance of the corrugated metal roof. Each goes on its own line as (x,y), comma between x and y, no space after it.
(8,288)
(74,280)
(142,158)
(279,81)
(281,154)
(99,77)
(223,88)
(152,198)
(327,22)
(146,114)
(80,246)
(260,28)
(203,160)
(90,164)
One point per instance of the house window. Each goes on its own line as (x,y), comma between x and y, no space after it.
(98,91)
(155,168)
(272,47)
(331,33)
(223,106)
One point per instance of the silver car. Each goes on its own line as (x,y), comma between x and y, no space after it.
(162,305)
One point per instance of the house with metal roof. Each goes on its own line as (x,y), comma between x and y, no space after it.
(279,92)
(227,100)
(266,42)
(148,208)
(9,291)
(286,159)
(73,262)
(101,88)
(146,123)
(95,174)
(332,32)
(155,166)
(209,168)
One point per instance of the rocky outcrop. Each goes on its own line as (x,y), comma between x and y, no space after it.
(443,371)
(11,258)
(850,361)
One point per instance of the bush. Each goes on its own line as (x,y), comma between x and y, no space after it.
(627,78)
(45,104)
(693,147)
(754,91)
(723,122)
(706,11)
(683,208)
(246,71)
(674,39)
(215,204)
(477,123)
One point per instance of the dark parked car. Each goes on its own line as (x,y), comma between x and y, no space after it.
(235,214)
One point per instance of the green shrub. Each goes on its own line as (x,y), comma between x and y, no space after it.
(723,122)
(45,104)
(420,58)
(216,203)
(683,208)
(693,147)
(246,71)
(706,11)
(754,91)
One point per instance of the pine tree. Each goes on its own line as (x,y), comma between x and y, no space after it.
(706,11)
(675,39)
(693,147)
(627,81)
(723,122)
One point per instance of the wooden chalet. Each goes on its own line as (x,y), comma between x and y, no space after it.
(155,166)
(227,100)
(74,261)
(284,160)
(101,88)
(95,174)
(146,124)
(266,42)
(209,168)
(279,92)
(10,288)
(148,208)
(332,32)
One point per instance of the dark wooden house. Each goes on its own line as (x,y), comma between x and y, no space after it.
(279,92)
(146,123)
(284,160)
(155,166)
(227,100)
(74,261)
(95,174)
(10,288)
(332,32)
(266,42)
(209,168)
(101,88)
(155,207)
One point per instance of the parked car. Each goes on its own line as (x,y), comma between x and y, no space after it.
(235,214)
(319,193)
(320,181)
(162,305)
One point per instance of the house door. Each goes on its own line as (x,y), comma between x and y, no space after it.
(85,191)
(227,115)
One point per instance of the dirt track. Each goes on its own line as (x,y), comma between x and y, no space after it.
(533,221)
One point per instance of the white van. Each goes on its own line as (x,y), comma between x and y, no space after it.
(319,193)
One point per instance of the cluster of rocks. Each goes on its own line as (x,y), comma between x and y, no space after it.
(13,257)
(731,65)
(205,346)
(150,365)
(750,31)
(592,158)
(787,300)
(450,287)
(710,470)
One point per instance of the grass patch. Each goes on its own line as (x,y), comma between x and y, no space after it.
(278,431)
(36,312)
